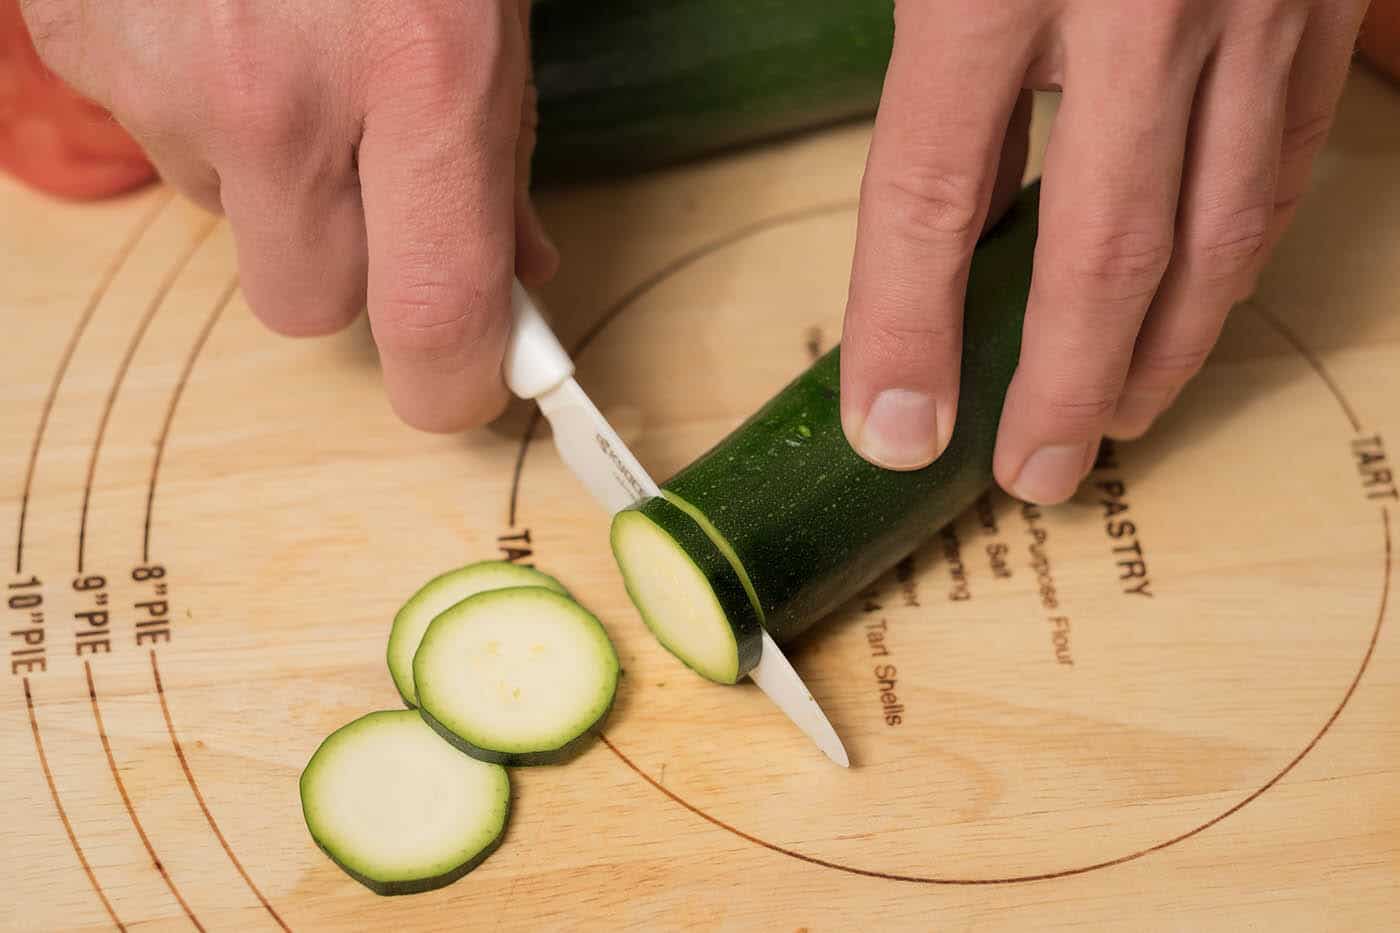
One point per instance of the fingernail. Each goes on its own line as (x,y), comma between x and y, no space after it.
(1137,410)
(900,431)
(1052,473)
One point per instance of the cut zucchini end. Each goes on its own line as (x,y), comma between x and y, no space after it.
(516,676)
(398,809)
(721,543)
(440,593)
(675,598)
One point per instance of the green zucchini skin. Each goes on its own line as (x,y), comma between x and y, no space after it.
(629,85)
(555,756)
(813,522)
(417,886)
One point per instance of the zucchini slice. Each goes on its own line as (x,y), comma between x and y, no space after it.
(786,504)
(438,594)
(516,676)
(687,589)
(397,808)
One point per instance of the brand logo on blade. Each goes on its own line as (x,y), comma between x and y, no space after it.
(632,484)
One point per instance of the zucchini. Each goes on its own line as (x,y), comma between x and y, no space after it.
(438,594)
(397,808)
(627,85)
(807,519)
(516,676)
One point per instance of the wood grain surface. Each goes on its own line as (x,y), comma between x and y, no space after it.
(1173,703)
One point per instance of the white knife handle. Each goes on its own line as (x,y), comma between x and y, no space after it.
(535,361)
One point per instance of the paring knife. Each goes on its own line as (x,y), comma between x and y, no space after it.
(537,367)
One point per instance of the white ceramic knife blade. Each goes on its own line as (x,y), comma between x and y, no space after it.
(537,367)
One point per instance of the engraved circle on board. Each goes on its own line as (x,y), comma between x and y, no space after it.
(1015,703)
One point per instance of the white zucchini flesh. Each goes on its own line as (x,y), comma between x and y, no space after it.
(440,593)
(675,598)
(399,809)
(517,676)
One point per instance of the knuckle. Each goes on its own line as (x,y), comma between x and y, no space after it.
(934,206)
(1120,265)
(253,102)
(1277,24)
(432,47)
(1072,411)
(1303,136)
(1167,367)
(1286,200)
(432,318)
(1234,241)
(1170,29)
(896,344)
(264,120)
(901,335)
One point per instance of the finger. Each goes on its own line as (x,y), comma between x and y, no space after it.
(187,174)
(1227,205)
(536,258)
(285,151)
(301,249)
(929,176)
(1315,85)
(1112,175)
(437,166)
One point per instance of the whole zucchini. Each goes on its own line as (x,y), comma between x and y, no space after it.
(801,518)
(626,85)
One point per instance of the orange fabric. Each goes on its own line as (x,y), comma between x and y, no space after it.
(50,137)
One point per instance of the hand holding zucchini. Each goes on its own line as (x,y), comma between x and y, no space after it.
(786,504)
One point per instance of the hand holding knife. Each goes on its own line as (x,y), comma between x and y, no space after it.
(537,367)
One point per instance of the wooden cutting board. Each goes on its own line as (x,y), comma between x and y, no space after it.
(1173,703)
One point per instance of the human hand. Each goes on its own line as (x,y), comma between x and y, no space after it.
(1182,145)
(366,153)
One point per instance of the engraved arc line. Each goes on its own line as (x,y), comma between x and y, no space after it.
(220,305)
(1083,869)
(660,275)
(126,800)
(1313,360)
(175,397)
(104,283)
(62,813)
(198,796)
(689,258)
(158,299)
